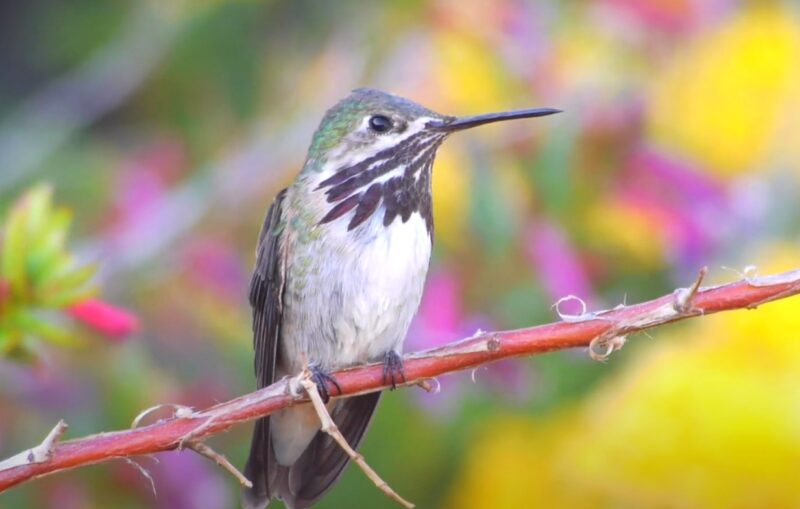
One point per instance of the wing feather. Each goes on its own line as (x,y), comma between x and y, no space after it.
(266,298)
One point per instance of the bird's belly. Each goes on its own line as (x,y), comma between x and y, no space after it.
(361,290)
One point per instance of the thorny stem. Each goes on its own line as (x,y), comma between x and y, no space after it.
(483,348)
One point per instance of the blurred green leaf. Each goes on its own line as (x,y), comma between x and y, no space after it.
(14,249)
(553,173)
(40,273)
(42,328)
(48,245)
(490,215)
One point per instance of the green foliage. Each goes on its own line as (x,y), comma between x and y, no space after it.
(38,274)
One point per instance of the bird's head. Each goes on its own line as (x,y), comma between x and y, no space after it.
(374,146)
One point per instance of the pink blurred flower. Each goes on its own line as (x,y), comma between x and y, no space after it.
(111,321)
(690,206)
(672,15)
(212,263)
(673,178)
(558,266)
(5,289)
(144,180)
(206,486)
(180,480)
(441,319)
(440,312)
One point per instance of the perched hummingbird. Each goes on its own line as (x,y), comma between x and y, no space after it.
(340,267)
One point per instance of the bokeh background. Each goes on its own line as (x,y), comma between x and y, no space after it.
(167,127)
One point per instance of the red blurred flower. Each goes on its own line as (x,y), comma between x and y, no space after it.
(106,319)
(5,289)
(673,16)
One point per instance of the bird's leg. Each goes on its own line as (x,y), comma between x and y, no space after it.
(321,379)
(393,369)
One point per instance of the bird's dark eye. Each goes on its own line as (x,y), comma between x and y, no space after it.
(380,123)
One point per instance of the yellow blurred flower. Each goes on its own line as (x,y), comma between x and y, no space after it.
(451,194)
(724,99)
(467,74)
(706,416)
(510,465)
(591,63)
(628,233)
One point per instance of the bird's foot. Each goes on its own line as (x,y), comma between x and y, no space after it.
(321,379)
(393,369)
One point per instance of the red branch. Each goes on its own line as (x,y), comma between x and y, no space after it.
(597,330)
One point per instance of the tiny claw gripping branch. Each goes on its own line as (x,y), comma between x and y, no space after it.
(393,372)
(322,378)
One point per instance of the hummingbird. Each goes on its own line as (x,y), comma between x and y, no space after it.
(340,267)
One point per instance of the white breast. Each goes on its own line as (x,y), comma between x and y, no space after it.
(359,292)
(387,278)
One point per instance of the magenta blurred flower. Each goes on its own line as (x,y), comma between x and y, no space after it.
(187,481)
(5,290)
(143,181)
(558,266)
(441,319)
(688,204)
(214,264)
(111,321)
(179,480)
(672,15)
(440,313)
(674,178)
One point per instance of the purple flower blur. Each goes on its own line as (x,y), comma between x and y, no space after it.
(441,319)
(558,266)
(689,204)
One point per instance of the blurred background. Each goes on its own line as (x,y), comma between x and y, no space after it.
(164,129)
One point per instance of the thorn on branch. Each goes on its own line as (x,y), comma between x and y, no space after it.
(39,454)
(684,296)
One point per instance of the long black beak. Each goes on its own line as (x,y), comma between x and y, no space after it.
(459,123)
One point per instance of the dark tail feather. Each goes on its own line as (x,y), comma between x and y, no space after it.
(257,468)
(318,468)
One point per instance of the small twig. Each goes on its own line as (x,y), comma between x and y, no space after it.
(147,475)
(189,438)
(219,459)
(329,427)
(189,441)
